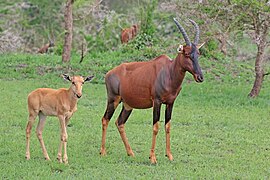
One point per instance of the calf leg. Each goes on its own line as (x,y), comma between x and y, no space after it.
(65,157)
(156,116)
(120,123)
(111,106)
(40,127)
(168,114)
(31,120)
(59,154)
(63,141)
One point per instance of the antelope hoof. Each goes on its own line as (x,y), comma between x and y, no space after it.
(47,158)
(65,161)
(27,156)
(59,160)
(102,152)
(153,159)
(130,154)
(169,156)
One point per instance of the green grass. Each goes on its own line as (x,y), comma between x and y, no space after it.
(217,132)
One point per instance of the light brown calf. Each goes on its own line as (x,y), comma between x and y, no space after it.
(50,102)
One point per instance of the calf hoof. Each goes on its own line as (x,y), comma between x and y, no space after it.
(47,158)
(27,155)
(102,152)
(153,159)
(65,161)
(59,160)
(131,154)
(169,156)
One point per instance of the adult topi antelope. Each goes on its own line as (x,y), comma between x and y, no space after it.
(142,85)
(50,102)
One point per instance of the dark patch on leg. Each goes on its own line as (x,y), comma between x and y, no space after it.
(168,113)
(123,116)
(109,111)
(156,112)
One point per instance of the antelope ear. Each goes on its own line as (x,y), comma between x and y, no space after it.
(180,48)
(66,77)
(200,45)
(89,78)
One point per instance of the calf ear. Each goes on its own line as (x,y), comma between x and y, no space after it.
(89,78)
(66,77)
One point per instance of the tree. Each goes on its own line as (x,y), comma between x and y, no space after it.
(256,22)
(68,31)
(260,23)
(249,16)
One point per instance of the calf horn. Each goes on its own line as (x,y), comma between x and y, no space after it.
(197,30)
(182,30)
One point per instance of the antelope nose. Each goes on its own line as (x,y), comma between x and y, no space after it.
(200,78)
(79,95)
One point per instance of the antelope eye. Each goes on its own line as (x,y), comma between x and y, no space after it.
(192,56)
(73,83)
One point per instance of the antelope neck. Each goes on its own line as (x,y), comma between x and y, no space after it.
(177,73)
(72,94)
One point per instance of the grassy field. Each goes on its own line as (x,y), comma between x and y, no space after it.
(217,132)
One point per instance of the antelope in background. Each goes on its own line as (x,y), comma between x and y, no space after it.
(50,102)
(45,48)
(142,85)
(129,33)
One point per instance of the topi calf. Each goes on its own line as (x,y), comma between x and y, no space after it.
(62,103)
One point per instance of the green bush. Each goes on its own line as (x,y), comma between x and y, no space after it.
(143,40)
(58,49)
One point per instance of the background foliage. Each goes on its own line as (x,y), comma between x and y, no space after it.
(97,24)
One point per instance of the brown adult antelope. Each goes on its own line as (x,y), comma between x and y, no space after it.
(45,48)
(129,33)
(142,85)
(50,102)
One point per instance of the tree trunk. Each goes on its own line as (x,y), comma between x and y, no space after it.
(68,31)
(261,26)
(258,70)
(259,76)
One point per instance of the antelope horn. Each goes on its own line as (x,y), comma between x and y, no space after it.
(182,30)
(197,30)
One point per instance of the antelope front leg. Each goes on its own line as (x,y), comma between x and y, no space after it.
(156,116)
(65,158)
(63,142)
(168,144)
(152,157)
(168,114)
(59,154)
